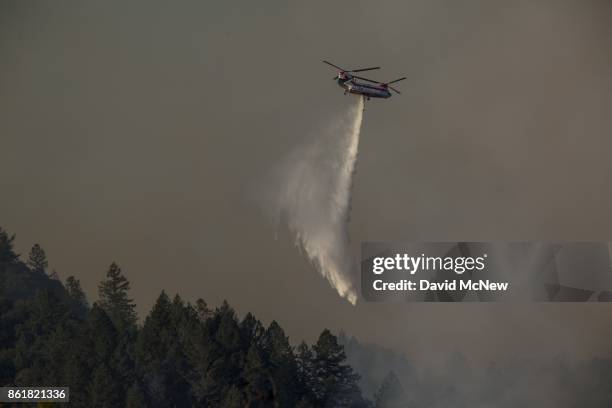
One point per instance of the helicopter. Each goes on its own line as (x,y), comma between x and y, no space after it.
(351,84)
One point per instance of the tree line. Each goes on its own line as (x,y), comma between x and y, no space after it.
(180,355)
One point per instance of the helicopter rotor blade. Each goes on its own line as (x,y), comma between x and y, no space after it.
(335,66)
(396,80)
(364,69)
(366,79)
(396,91)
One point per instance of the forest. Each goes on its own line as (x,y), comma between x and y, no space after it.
(180,355)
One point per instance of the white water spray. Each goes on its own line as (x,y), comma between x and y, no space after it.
(315,198)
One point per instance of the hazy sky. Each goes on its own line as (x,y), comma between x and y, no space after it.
(135,132)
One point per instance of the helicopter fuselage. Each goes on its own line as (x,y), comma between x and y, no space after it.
(351,85)
(358,85)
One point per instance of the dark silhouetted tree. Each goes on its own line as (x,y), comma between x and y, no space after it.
(306,372)
(203,311)
(73,287)
(183,355)
(259,391)
(221,358)
(7,254)
(114,299)
(161,352)
(282,365)
(37,259)
(104,388)
(251,331)
(335,382)
(46,332)
(107,389)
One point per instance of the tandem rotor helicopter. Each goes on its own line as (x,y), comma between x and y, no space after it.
(350,83)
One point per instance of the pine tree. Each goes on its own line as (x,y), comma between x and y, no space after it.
(155,337)
(114,299)
(77,373)
(153,347)
(390,394)
(336,382)
(103,334)
(220,363)
(203,311)
(184,355)
(282,365)
(105,388)
(162,355)
(256,375)
(276,343)
(7,254)
(306,372)
(251,330)
(37,259)
(73,287)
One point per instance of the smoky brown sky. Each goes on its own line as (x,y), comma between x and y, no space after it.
(135,132)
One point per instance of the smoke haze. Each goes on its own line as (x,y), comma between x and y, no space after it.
(129,133)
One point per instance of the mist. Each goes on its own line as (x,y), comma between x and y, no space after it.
(311,192)
(552,381)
